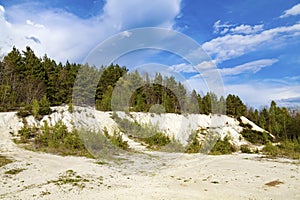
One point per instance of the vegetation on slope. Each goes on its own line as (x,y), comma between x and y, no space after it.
(287,148)
(4,161)
(147,134)
(223,147)
(56,139)
(31,85)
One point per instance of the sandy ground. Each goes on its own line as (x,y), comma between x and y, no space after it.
(149,175)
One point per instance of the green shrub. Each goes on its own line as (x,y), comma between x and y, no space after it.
(98,144)
(245,149)
(116,139)
(56,139)
(270,149)
(148,134)
(44,105)
(26,133)
(25,111)
(223,147)
(256,137)
(70,108)
(157,140)
(35,109)
(290,148)
(4,161)
(173,146)
(14,171)
(193,144)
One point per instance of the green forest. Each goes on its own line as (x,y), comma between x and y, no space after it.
(27,80)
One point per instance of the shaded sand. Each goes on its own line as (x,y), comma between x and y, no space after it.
(150,175)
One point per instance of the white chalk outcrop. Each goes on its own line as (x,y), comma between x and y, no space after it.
(178,126)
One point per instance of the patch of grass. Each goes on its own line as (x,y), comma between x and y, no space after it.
(245,149)
(4,161)
(98,144)
(70,177)
(173,146)
(287,148)
(14,171)
(157,140)
(223,147)
(56,140)
(44,193)
(274,183)
(194,145)
(116,139)
(100,162)
(148,134)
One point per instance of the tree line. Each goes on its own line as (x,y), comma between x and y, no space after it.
(26,79)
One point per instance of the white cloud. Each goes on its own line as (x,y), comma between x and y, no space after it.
(246,29)
(224,28)
(295,10)
(250,67)
(63,35)
(204,66)
(127,33)
(31,23)
(135,13)
(253,93)
(230,46)
(182,67)
(259,93)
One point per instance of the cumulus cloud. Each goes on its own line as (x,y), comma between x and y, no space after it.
(295,10)
(226,28)
(231,46)
(250,67)
(222,28)
(246,29)
(63,35)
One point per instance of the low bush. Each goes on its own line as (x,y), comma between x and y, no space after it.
(26,133)
(37,109)
(116,139)
(98,144)
(256,137)
(271,150)
(223,147)
(173,146)
(14,171)
(148,134)
(157,140)
(193,144)
(245,149)
(56,139)
(70,108)
(4,161)
(287,148)
(25,111)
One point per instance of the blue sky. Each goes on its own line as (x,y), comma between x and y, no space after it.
(255,44)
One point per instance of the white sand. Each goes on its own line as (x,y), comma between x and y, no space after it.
(149,175)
